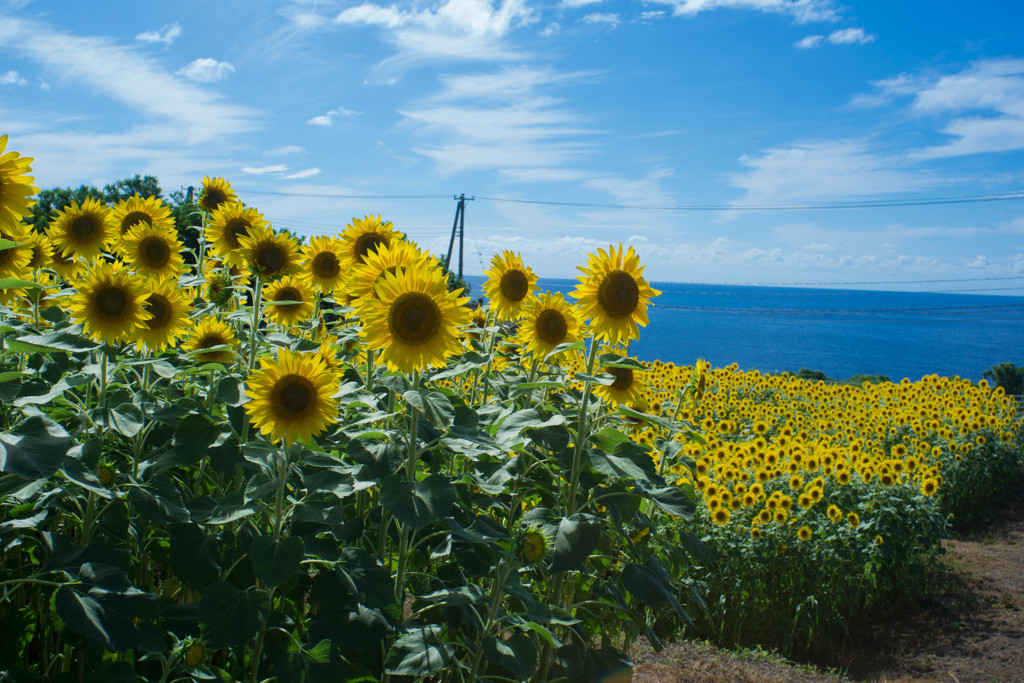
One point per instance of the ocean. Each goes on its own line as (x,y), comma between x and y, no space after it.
(839,332)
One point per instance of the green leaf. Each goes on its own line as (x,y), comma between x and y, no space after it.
(163,506)
(568,346)
(304,664)
(585,665)
(359,628)
(59,340)
(434,405)
(125,419)
(651,584)
(513,425)
(84,477)
(274,562)
(231,508)
(194,435)
(230,391)
(230,616)
(194,555)
(103,607)
(676,500)
(614,360)
(575,538)
(419,653)
(261,486)
(35,448)
(417,503)
(17,630)
(56,390)
(11,283)
(653,419)
(629,461)
(518,654)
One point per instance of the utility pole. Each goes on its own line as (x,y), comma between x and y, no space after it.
(459,224)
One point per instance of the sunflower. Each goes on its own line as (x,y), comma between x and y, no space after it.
(290,301)
(415,320)
(534,545)
(130,212)
(212,333)
(66,264)
(328,354)
(613,294)
(627,387)
(109,303)
(168,307)
(228,223)
(385,259)
(509,284)
(82,229)
(268,254)
(16,186)
(324,263)
(152,251)
(548,321)
(804,533)
(367,234)
(292,396)
(221,280)
(42,250)
(216,191)
(15,261)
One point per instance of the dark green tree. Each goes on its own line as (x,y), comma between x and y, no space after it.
(1008,376)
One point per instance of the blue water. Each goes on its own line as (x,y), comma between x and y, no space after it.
(839,332)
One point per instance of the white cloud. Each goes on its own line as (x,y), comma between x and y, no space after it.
(306,173)
(12,78)
(260,170)
(453,30)
(574,4)
(810,42)
(206,70)
(328,118)
(820,170)
(165,35)
(286,150)
(602,18)
(802,11)
(850,36)
(846,36)
(980,261)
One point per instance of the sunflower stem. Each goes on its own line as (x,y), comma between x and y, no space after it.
(369,370)
(254,329)
(410,473)
(581,432)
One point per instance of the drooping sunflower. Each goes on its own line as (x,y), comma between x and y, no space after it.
(509,284)
(109,303)
(292,396)
(16,186)
(221,280)
(367,234)
(324,263)
(149,210)
(628,387)
(152,251)
(386,259)
(270,255)
(547,321)
(213,334)
(415,320)
(288,301)
(216,191)
(168,307)
(613,294)
(228,223)
(82,229)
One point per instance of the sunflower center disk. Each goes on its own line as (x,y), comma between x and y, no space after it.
(237,227)
(270,258)
(326,265)
(294,396)
(623,378)
(414,318)
(551,327)
(111,301)
(514,285)
(83,227)
(133,219)
(289,294)
(213,198)
(618,294)
(160,308)
(211,340)
(367,242)
(154,252)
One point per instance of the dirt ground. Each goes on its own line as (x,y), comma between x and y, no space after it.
(974,633)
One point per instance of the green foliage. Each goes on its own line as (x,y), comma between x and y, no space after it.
(1007,376)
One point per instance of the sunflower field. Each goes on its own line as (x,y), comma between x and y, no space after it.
(264,461)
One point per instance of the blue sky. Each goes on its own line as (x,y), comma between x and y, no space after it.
(303,104)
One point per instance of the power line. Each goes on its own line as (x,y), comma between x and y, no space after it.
(343,196)
(868,204)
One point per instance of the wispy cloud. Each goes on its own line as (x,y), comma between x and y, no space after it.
(574,4)
(802,11)
(846,36)
(12,78)
(165,35)
(328,118)
(206,70)
(305,173)
(260,170)
(607,18)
